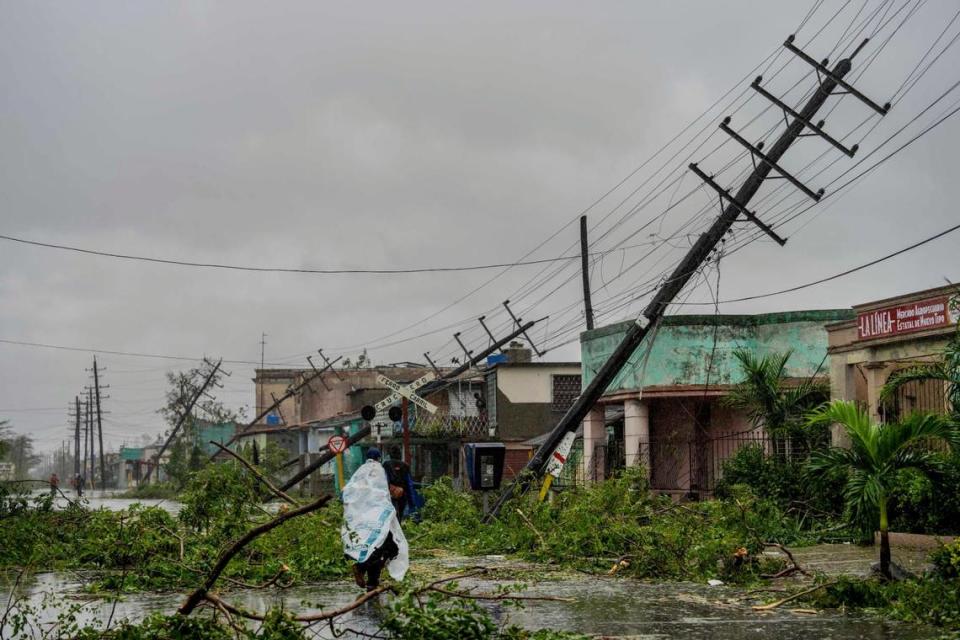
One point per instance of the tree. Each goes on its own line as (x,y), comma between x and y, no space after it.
(877,453)
(769,399)
(186,451)
(946,370)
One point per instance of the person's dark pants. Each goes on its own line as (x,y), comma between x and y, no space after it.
(399,504)
(373,565)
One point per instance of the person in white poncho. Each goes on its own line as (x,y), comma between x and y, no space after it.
(371,532)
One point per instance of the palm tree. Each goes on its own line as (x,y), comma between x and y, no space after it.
(877,452)
(768,399)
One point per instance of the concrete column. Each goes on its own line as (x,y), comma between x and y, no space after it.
(636,433)
(876,377)
(594,432)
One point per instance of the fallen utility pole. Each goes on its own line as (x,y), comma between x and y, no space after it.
(431,387)
(183,417)
(688,267)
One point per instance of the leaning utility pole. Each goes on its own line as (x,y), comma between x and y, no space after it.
(96,387)
(585,273)
(764,164)
(186,412)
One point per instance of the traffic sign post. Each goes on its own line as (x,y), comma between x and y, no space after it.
(337,445)
(406,394)
(556,462)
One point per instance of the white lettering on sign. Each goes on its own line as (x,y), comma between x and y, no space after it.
(905,318)
(405,391)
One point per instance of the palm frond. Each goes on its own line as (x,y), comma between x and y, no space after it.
(918,373)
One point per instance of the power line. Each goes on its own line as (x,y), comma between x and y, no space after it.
(834,276)
(235,267)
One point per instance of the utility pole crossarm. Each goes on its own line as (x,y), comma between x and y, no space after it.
(724,194)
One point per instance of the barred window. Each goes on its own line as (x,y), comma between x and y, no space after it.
(566,390)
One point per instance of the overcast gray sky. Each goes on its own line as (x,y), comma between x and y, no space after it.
(394,135)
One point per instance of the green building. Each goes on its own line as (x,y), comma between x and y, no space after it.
(664,409)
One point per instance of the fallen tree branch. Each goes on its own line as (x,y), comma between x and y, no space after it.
(794,565)
(197,596)
(773,605)
(532,528)
(256,474)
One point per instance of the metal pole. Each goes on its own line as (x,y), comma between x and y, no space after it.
(405,406)
(585,272)
(681,275)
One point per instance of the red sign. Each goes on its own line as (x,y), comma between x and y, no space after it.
(904,318)
(337,444)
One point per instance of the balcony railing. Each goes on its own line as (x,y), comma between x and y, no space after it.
(444,425)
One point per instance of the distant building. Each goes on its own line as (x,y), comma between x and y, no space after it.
(664,409)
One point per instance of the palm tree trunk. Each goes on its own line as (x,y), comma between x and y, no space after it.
(884,540)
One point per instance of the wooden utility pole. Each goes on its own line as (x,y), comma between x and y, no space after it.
(764,164)
(96,387)
(186,412)
(76,438)
(585,273)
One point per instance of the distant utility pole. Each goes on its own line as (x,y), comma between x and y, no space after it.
(585,272)
(96,387)
(764,163)
(93,448)
(76,439)
(263,345)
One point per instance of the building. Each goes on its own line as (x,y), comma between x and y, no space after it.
(664,409)
(885,336)
(525,399)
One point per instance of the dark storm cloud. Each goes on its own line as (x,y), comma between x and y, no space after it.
(371,135)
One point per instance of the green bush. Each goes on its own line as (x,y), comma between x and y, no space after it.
(922,505)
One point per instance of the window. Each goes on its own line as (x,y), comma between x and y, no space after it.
(566,390)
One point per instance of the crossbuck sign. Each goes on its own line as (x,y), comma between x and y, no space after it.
(405,391)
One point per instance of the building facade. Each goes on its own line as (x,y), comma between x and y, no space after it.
(664,409)
(885,336)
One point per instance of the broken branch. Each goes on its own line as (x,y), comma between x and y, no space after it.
(198,595)
(773,605)
(256,474)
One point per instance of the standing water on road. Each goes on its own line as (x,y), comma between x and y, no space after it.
(603,606)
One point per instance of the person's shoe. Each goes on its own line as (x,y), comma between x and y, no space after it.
(358,576)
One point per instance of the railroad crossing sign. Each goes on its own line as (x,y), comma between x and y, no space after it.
(405,391)
(337,444)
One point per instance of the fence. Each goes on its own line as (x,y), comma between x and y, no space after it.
(684,465)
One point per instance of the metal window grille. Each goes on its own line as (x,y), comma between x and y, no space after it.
(566,390)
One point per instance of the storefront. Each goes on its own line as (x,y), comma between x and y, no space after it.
(884,337)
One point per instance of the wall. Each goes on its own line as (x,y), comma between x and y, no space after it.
(683,346)
(524,399)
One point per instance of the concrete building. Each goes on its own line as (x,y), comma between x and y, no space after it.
(664,409)
(885,336)
(525,400)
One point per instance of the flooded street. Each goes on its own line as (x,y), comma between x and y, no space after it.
(601,605)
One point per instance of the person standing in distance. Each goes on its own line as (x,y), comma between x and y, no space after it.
(399,481)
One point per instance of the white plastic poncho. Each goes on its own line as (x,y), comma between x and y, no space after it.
(368,516)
